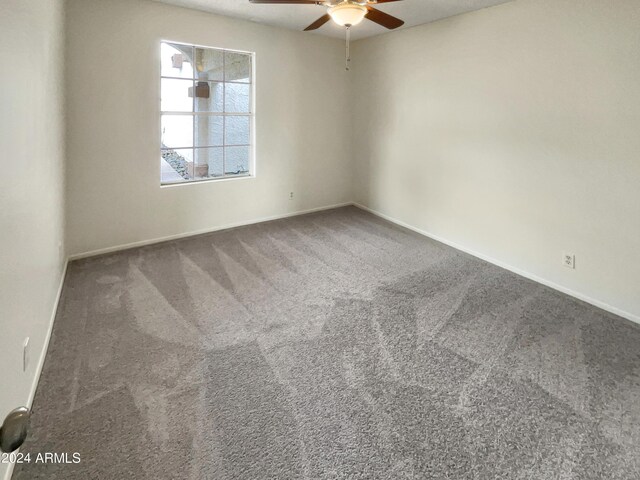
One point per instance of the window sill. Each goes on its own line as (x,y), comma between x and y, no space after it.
(207,180)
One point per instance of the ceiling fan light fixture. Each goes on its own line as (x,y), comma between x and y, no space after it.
(347,13)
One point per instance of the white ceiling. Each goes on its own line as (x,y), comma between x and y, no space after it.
(297,17)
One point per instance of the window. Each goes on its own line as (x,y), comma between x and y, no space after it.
(206,113)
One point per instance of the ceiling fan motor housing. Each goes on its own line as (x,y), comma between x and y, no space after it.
(332,3)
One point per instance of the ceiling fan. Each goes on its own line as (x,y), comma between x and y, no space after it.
(345,13)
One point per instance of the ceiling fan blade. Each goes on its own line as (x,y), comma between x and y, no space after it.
(318,23)
(306,2)
(383,19)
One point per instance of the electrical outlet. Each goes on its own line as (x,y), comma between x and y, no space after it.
(25,354)
(569,260)
(290,195)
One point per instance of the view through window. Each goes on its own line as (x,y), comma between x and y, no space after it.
(207,113)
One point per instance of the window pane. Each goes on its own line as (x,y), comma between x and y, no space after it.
(175,95)
(177,131)
(237,98)
(175,60)
(209,97)
(213,158)
(209,64)
(209,130)
(236,130)
(237,67)
(175,165)
(236,160)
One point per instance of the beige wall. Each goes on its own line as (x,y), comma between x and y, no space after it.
(114,194)
(31,196)
(513,132)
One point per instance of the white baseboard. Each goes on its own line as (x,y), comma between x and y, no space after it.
(43,354)
(9,471)
(47,339)
(142,243)
(518,271)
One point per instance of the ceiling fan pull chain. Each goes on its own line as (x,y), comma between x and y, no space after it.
(348,62)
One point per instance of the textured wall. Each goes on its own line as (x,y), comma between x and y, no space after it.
(31,197)
(513,132)
(114,194)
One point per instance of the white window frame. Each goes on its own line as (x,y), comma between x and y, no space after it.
(194,114)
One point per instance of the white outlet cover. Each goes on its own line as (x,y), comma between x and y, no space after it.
(25,354)
(569,260)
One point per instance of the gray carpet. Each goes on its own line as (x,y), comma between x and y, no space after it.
(330,346)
